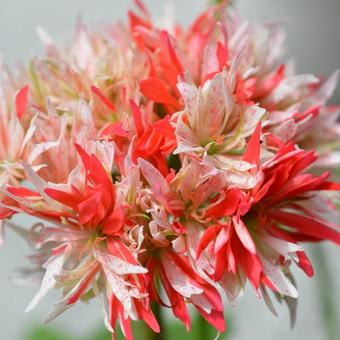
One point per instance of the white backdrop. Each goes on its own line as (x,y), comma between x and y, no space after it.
(313,37)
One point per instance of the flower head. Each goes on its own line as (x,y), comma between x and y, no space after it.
(168,167)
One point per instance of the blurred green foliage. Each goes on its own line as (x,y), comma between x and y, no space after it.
(219,1)
(200,330)
(45,333)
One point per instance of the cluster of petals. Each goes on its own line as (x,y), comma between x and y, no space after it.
(168,167)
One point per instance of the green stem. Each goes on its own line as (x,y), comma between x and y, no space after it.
(203,328)
(328,308)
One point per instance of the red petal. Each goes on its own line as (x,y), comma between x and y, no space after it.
(313,111)
(177,302)
(125,325)
(85,157)
(114,129)
(98,175)
(265,279)
(220,264)
(264,188)
(142,7)
(244,235)
(223,237)
(172,54)
(135,21)
(215,318)
(222,55)
(147,316)
(252,267)
(303,162)
(329,186)
(231,259)
(88,209)
(252,153)
(95,170)
(164,128)
(103,98)
(137,118)
(227,207)
(270,83)
(117,248)
(5,213)
(62,197)
(114,223)
(306,225)
(304,263)
(155,89)
(296,186)
(76,296)
(21,101)
(114,305)
(22,192)
(208,236)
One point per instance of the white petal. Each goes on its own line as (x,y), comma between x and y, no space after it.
(38,149)
(41,185)
(160,187)
(233,286)
(292,306)
(83,51)
(268,300)
(327,89)
(57,310)
(290,85)
(53,267)
(186,139)
(62,305)
(179,244)
(119,266)
(279,280)
(118,287)
(30,132)
(2,233)
(104,307)
(189,93)
(201,301)
(282,247)
(182,283)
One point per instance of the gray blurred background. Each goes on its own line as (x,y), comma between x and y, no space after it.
(313,38)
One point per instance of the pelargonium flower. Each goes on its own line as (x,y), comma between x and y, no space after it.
(253,234)
(16,130)
(96,66)
(168,167)
(85,222)
(215,127)
(294,103)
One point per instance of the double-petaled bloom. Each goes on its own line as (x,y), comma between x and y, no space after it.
(15,129)
(255,234)
(168,167)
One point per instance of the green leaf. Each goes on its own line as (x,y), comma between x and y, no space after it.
(200,330)
(46,333)
(102,334)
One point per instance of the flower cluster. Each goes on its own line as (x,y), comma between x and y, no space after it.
(168,166)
